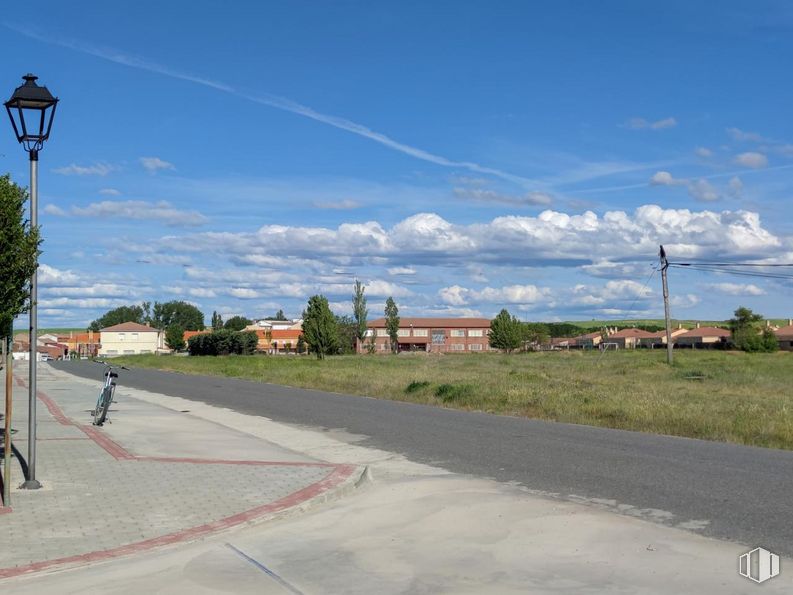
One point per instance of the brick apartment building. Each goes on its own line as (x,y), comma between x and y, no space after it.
(434,335)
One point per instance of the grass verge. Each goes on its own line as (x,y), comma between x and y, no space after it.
(714,395)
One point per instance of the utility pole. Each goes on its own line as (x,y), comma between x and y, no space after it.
(669,344)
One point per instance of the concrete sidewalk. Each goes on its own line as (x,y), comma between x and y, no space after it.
(152,477)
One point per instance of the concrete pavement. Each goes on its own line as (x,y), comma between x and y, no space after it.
(414,528)
(152,477)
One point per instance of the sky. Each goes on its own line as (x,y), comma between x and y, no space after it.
(462,157)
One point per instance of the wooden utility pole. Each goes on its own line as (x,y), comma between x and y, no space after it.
(669,345)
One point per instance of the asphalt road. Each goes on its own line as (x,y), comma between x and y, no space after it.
(738,493)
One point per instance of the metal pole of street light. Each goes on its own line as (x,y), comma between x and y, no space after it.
(33,483)
(31,110)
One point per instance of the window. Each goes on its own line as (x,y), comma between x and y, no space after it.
(369,332)
(475,332)
(458,332)
(381,332)
(458,347)
(384,346)
(129,351)
(403,332)
(419,332)
(475,347)
(134,336)
(112,352)
(121,336)
(438,336)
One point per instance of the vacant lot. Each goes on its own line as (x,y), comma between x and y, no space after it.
(727,396)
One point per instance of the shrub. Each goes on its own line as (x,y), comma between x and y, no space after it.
(223,342)
(416,385)
(453,392)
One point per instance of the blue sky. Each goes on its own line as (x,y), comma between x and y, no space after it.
(460,156)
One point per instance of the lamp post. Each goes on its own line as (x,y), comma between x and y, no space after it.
(31,110)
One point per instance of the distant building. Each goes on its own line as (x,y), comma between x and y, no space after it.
(628,338)
(785,336)
(704,337)
(130,338)
(434,335)
(588,340)
(658,339)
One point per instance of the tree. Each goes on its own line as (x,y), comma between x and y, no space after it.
(505,332)
(319,327)
(347,333)
(535,332)
(118,316)
(223,342)
(392,323)
(745,329)
(301,344)
(19,251)
(278,316)
(359,310)
(178,313)
(237,323)
(174,337)
(217,321)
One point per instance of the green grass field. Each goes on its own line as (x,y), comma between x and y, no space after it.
(714,395)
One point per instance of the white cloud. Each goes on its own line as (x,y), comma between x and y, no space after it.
(244,293)
(748,289)
(54,210)
(664,178)
(341,205)
(161,211)
(735,186)
(550,238)
(510,294)
(752,159)
(703,190)
(641,124)
(534,198)
(703,152)
(742,135)
(97,169)
(155,164)
(110,192)
(401,271)
(51,276)
(70,302)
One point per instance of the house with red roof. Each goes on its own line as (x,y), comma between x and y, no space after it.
(130,338)
(704,337)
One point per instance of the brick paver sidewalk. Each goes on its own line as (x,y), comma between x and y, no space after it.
(102,498)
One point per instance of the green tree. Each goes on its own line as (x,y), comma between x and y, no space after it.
(118,316)
(301,344)
(347,333)
(178,313)
(535,332)
(19,251)
(217,321)
(320,328)
(392,323)
(359,310)
(505,332)
(174,337)
(745,330)
(278,316)
(769,341)
(237,323)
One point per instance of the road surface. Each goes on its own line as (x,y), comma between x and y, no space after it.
(739,493)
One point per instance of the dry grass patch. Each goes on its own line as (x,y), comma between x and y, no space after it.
(726,396)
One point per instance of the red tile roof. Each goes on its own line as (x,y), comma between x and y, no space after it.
(785,331)
(127,327)
(706,331)
(434,323)
(631,332)
(287,334)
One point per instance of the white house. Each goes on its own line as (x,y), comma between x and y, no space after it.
(130,338)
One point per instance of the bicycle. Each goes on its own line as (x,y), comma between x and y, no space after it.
(106,394)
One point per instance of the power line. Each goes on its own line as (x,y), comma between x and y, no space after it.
(729,264)
(729,271)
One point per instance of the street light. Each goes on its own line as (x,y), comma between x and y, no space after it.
(31,110)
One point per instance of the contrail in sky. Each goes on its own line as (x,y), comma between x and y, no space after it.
(268,99)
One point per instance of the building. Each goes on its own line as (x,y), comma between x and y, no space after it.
(589,340)
(285,340)
(130,338)
(704,337)
(658,339)
(81,344)
(434,335)
(785,336)
(628,338)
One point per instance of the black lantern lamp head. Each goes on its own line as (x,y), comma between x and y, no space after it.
(31,109)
